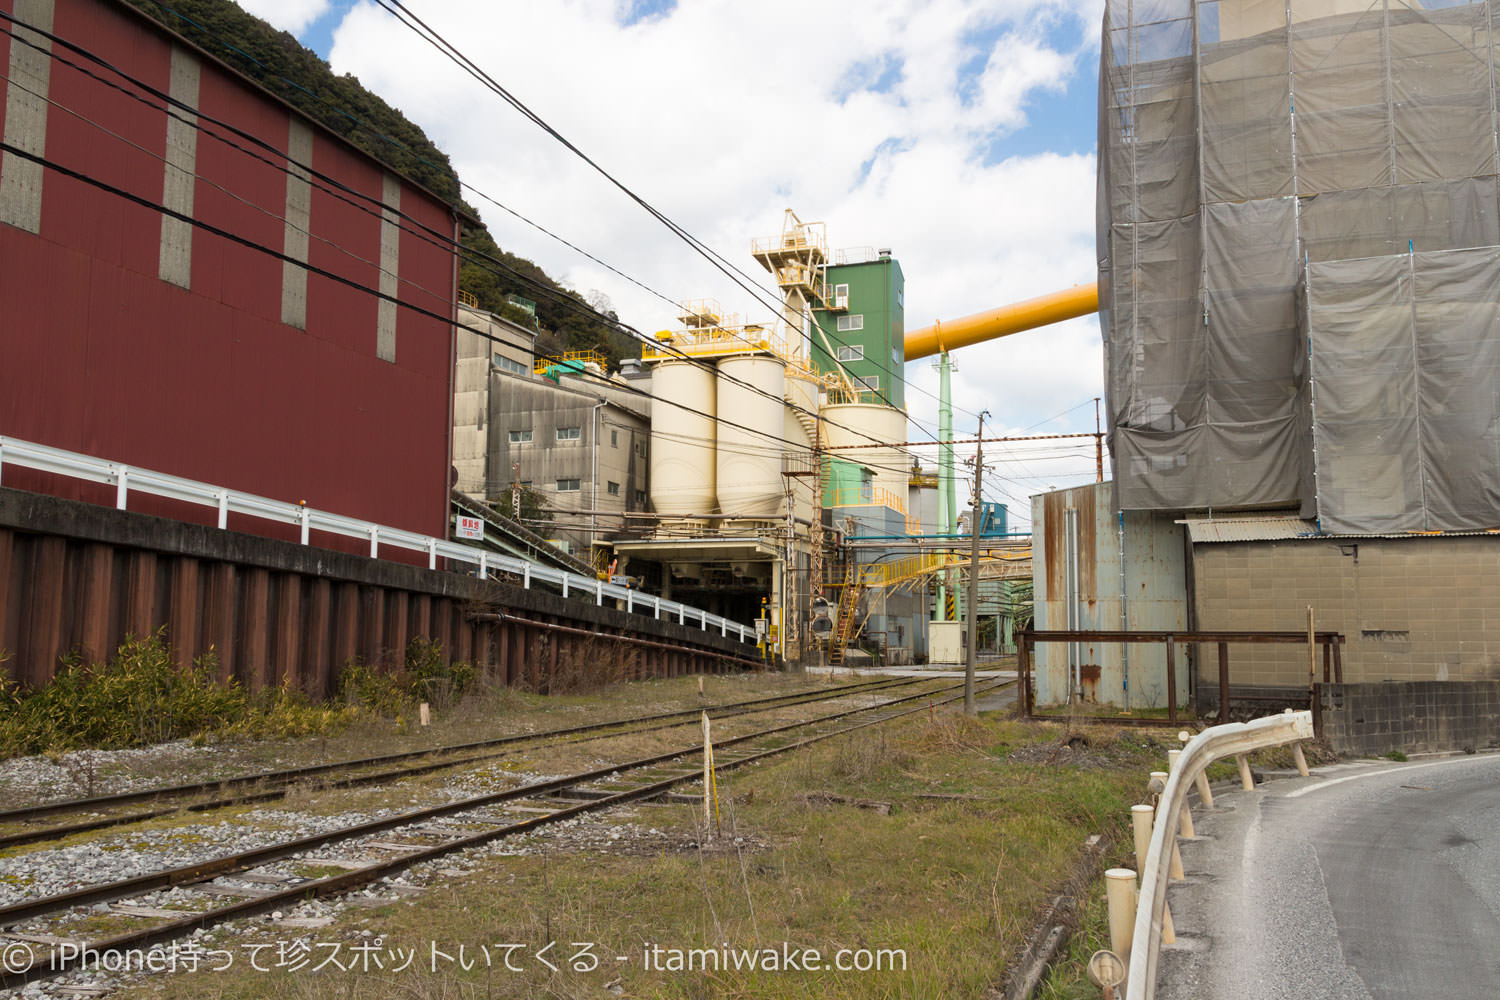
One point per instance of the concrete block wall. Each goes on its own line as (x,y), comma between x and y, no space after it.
(1411,609)
(1411,716)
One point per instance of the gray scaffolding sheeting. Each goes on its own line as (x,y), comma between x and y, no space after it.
(1277,183)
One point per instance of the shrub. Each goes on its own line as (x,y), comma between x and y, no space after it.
(370,688)
(140,696)
(429,678)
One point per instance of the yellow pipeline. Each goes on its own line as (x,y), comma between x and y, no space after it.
(1079,300)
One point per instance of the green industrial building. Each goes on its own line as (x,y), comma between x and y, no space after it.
(866,325)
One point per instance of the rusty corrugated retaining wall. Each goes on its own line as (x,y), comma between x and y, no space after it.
(77,578)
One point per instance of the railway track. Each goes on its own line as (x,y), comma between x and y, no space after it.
(17,825)
(425,834)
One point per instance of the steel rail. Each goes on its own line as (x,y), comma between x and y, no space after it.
(282,780)
(336,884)
(244,860)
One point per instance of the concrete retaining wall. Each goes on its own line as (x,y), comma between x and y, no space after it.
(1410,716)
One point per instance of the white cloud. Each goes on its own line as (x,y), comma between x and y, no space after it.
(288,15)
(722,114)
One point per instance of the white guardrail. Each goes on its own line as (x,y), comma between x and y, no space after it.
(1233,739)
(128,478)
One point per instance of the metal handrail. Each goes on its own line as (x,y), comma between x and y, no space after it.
(128,478)
(1205,748)
(867,496)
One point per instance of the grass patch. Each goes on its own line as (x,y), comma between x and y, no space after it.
(952,875)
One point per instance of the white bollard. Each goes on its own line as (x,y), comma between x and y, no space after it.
(1300,759)
(424,715)
(1119,886)
(1246,781)
(1175,865)
(1141,818)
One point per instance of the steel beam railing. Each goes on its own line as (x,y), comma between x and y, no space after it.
(1205,748)
(128,478)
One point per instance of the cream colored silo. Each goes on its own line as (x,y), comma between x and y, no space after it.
(752,422)
(683,407)
(865,425)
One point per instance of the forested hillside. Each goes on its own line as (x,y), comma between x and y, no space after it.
(278,62)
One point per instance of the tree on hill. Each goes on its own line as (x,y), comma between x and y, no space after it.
(280,63)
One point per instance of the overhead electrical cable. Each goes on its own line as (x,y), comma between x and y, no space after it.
(433,237)
(455,56)
(323,272)
(404,15)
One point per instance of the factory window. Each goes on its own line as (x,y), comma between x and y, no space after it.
(614,489)
(640,498)
(847,323)
(567,485)
(901,297)
(854,353)
(841,296)
(569,434)
(614,439)
(514,367)
(868,381)
(520,437)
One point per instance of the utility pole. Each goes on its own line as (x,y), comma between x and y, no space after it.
(971,613)
(815,533)
(947,491)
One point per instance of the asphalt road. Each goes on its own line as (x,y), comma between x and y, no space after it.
(1371,881)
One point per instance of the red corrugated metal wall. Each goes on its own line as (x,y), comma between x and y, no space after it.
(99,355)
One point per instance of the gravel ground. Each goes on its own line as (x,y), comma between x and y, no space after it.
(87,773)
(115,855)
(304,922)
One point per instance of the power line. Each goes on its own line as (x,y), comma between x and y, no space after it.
(419,27)
(322,272)
(552,294)
(432,237)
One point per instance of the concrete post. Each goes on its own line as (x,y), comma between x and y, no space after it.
(1246,781)
(1119,884)
(1175,869)
(1141,818)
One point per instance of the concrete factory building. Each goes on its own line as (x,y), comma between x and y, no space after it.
(744,418)
(1299,245)
(562,427)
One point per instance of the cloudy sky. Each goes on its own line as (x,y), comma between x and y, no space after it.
(959,133)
